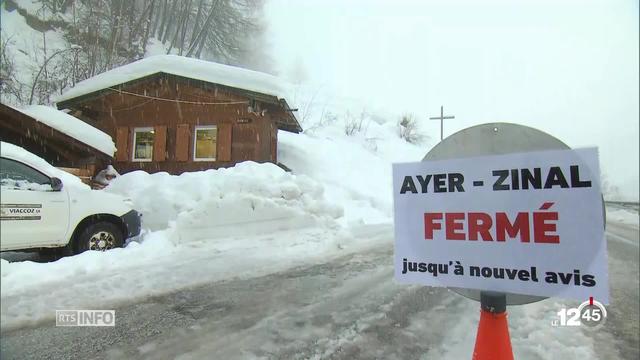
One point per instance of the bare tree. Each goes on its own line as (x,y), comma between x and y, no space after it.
(11,89)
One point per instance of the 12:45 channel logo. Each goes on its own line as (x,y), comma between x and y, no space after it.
(590,313)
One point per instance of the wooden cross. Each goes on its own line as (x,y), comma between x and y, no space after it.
(441,118)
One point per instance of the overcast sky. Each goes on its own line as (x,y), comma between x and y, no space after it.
(569,68)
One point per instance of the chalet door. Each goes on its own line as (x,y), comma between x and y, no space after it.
(244,144)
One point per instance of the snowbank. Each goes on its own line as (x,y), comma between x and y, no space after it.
(181,66)
(204,226)
(354,169)
(71,126)
(250,198)
(18,153)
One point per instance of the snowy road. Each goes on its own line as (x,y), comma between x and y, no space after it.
(346,308)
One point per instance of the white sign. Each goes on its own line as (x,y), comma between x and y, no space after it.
(525,223)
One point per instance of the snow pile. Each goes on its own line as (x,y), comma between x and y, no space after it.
(71,126)
(15,152)
(200,227)
(354,168)
(185,67)
(250,198)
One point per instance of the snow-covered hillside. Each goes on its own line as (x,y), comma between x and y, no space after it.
(355,170)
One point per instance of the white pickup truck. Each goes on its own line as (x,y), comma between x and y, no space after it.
(44,208)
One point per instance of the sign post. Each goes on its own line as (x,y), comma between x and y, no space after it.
(490,215)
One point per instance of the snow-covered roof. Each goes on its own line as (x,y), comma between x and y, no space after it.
(185,67)
(71,126)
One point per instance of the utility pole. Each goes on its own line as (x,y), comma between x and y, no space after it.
(441,118)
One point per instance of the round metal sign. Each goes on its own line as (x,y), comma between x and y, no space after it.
(494,139)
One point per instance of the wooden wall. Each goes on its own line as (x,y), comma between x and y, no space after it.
(241,135)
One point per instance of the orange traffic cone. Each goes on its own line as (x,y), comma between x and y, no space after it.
(492,340)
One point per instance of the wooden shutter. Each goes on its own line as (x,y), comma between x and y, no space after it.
(182,142)
(224,142)
(159,143)
(274,143)
(122,143)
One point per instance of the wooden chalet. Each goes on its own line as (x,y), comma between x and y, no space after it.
(60,139)
(175,114)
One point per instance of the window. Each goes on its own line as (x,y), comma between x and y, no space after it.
(17,175)
(205,143)
(143,144)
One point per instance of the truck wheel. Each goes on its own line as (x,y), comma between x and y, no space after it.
(99,236)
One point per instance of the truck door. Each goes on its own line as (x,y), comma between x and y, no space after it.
(31,213)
